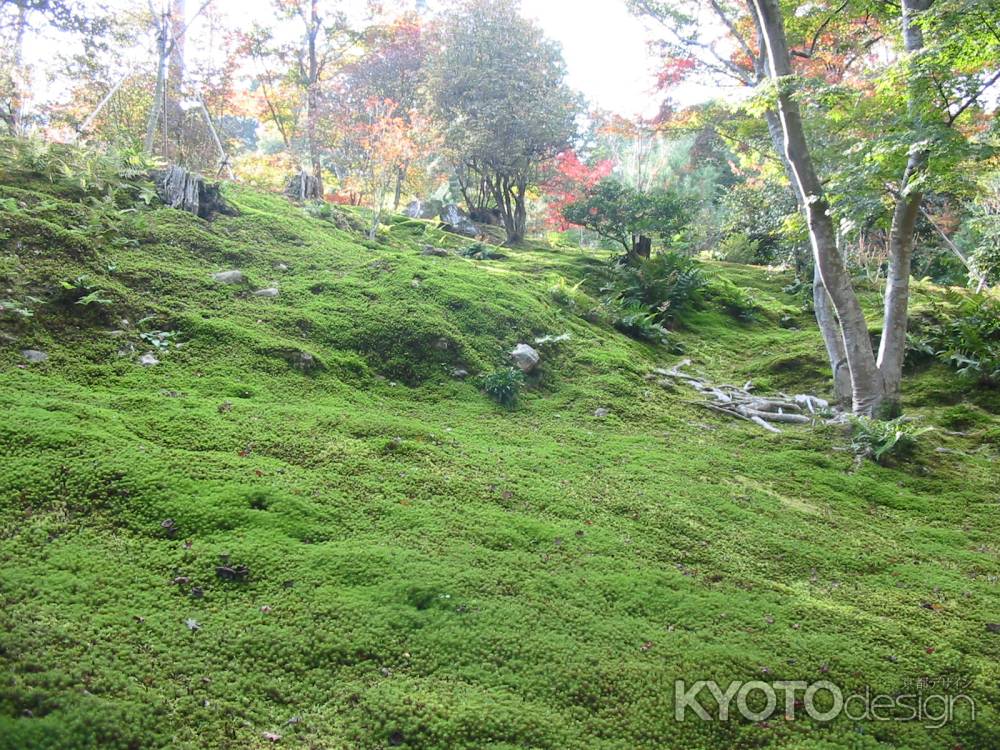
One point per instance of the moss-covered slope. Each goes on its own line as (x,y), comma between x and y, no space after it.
(423,568)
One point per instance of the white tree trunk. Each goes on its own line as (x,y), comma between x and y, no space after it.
(867,387)
(892,348)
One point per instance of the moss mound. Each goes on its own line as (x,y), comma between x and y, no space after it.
(300,523)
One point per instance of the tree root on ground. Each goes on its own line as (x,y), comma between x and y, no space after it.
(740,403)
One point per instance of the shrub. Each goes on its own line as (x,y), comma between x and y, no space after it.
(964,332)
(735,300)
(667,285)
(504,386)
(639,322)
(884,440)
(480,251)
(738,247)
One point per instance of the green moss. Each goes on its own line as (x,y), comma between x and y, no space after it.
(424,569)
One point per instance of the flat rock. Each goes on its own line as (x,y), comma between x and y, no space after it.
(229,277)
(437,252)
(525,357)
(268,292)
(148,360)
(601,413)
(34,356)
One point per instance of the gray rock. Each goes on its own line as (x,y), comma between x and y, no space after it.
(423,209)
(525,357)
(268,292)
(148,360)
(34,356)
(460,373)
(457,222)
(601,412)
(438,252)
(229,277)
(281,266)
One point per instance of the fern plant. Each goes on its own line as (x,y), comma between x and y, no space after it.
(668,284)
(504,386)
(882,440)
(962,331)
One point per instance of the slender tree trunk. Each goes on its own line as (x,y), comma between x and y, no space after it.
(833,339)
(312,95)
(14,117)
(826,315)
(162,30)
(398,195)
(892,348)
(867,388)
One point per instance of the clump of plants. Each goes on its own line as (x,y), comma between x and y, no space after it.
(639,322)
(81,291)
(480,251)
(884,441)
(735,300)
(963,331)
(667,284)
(504,386)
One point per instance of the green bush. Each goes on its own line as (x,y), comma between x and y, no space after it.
(883,440)
(504,386)
(667,285)
(963,331)
(738,247)
(639,322)
(735,300)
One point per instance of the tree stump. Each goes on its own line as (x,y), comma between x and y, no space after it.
(189,192)
(303,187)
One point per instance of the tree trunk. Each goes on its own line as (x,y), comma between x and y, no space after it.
(826,315)
(642,246)
(162,30)
(312,95)
(14,116)
(833,339)
(892,347)
(867,388)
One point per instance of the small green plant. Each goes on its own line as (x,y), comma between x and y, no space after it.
(639,322)
(480,251)
(80,291)
(504,386)
(668,284)
(565,295)
(963,331)
(735,300)
(883,440)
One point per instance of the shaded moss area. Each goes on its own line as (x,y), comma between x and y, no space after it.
(424,569)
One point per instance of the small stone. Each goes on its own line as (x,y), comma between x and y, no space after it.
(525,357)
(229,277)
(280,266)
(437,252)
(601,412)
(34,356)
(442,344)
(148,360)
(268,292)
(460,373)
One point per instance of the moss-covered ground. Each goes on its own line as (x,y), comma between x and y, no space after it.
(423,568)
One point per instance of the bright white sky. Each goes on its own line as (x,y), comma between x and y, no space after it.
(604,46)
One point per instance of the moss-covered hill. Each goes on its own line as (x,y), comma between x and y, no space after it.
(424,569)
